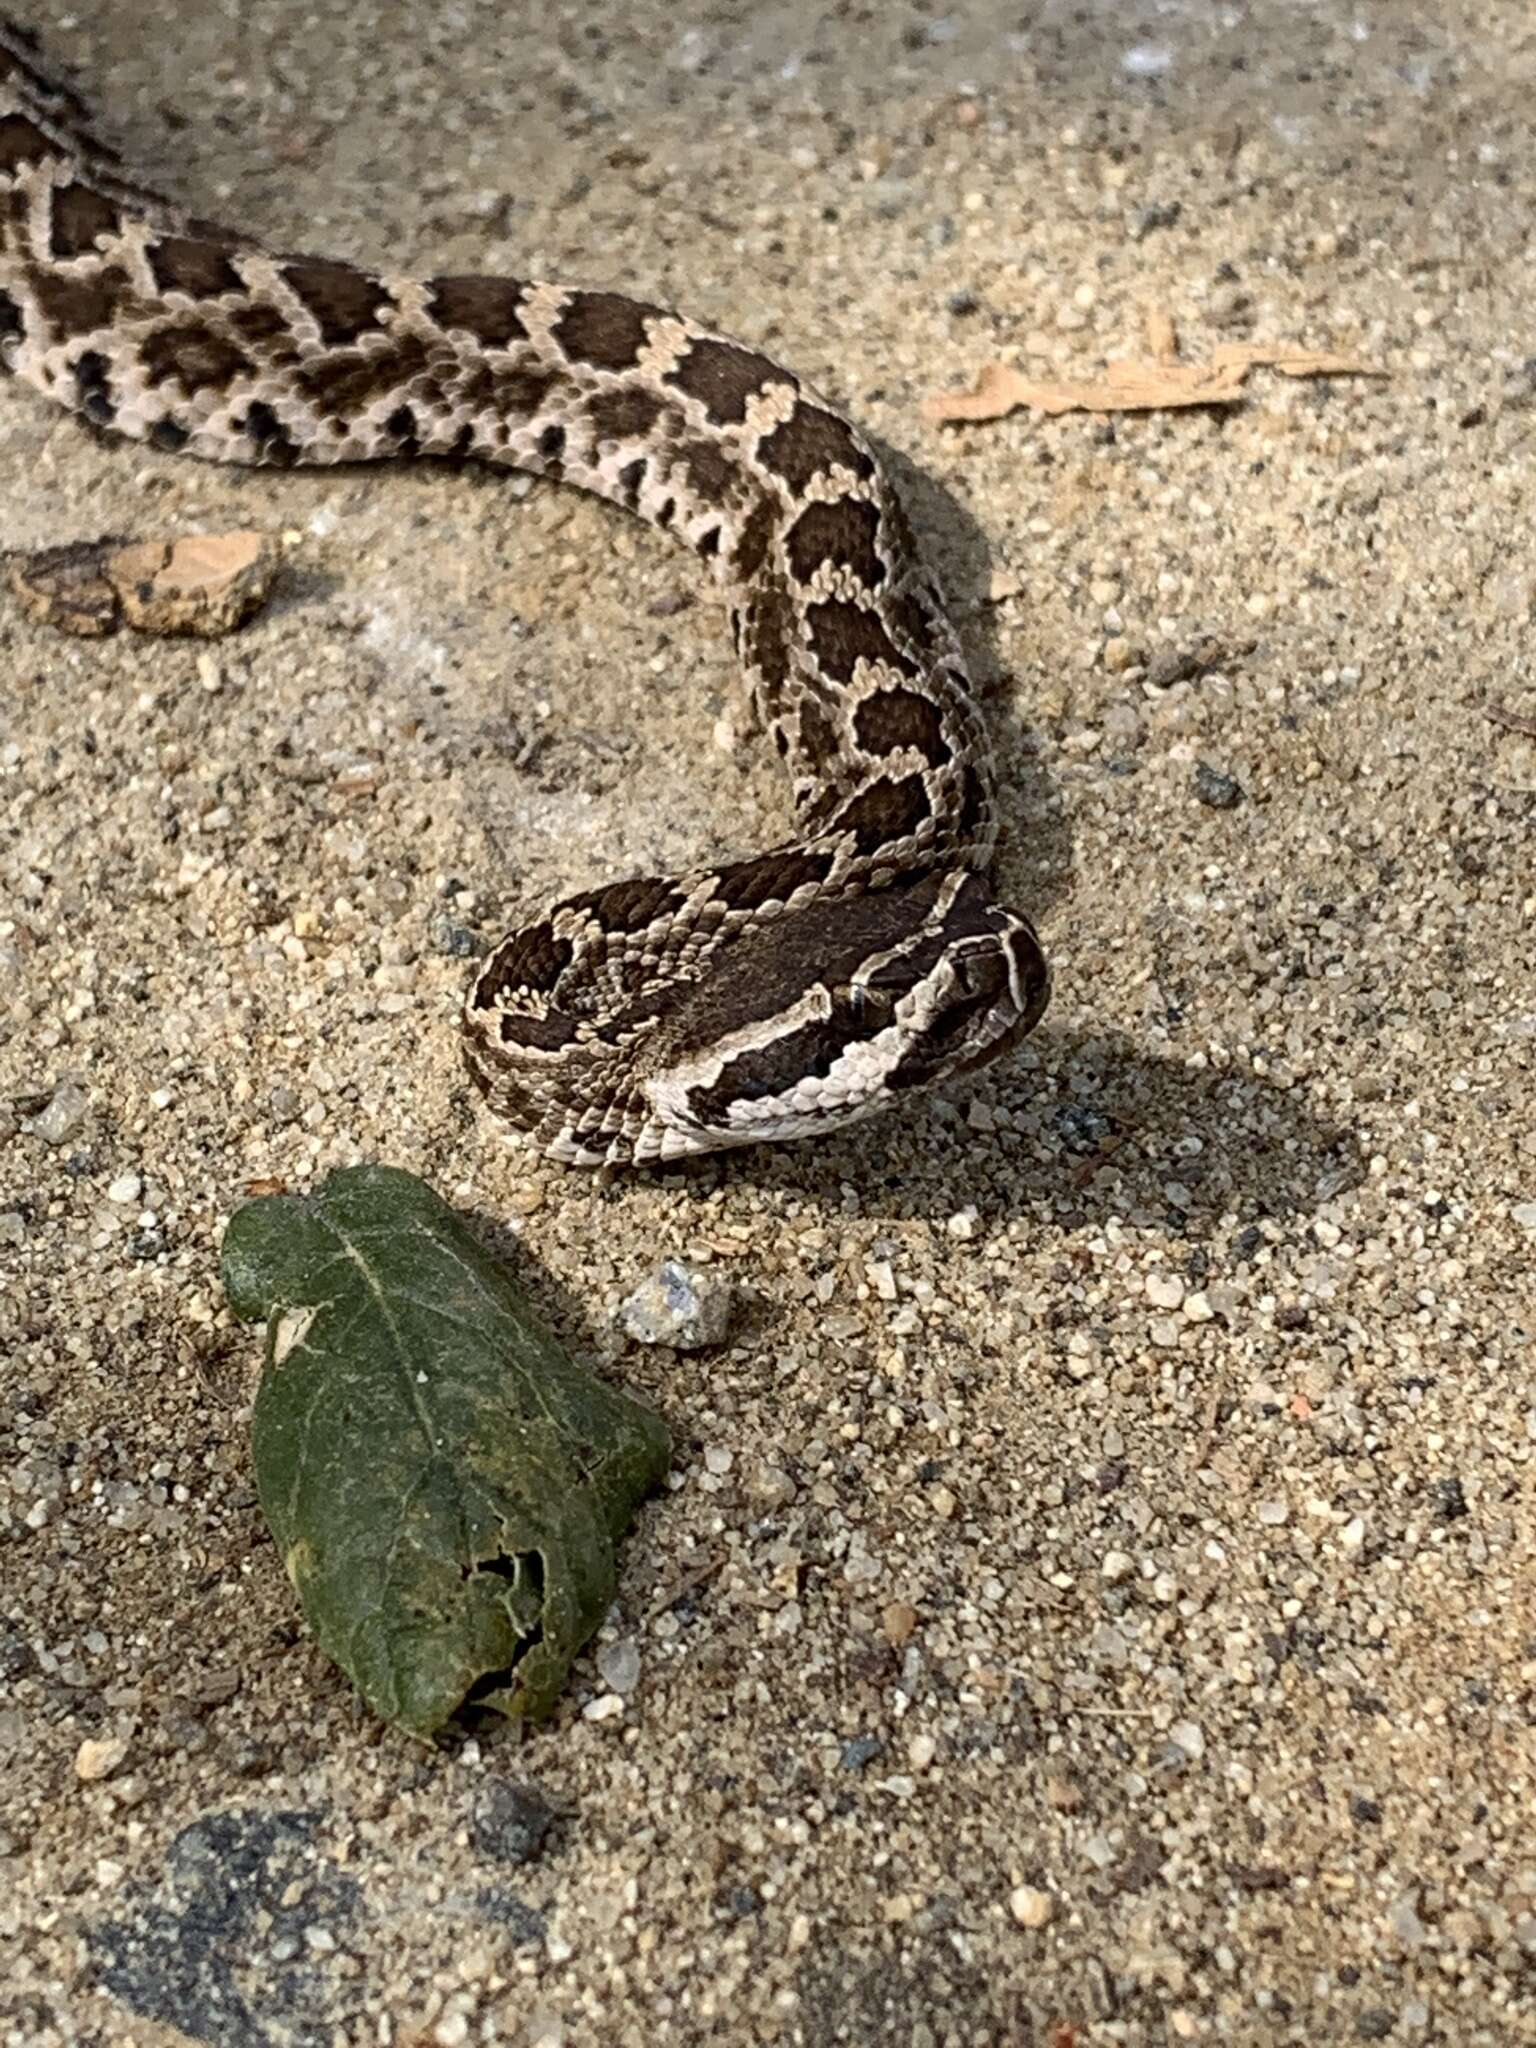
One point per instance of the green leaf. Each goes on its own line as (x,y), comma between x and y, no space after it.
(446,1486)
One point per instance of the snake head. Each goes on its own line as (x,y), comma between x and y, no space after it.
(834,1013)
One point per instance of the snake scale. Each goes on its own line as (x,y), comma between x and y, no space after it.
(772,997)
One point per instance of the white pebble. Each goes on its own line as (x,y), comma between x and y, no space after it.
(126,1188)
(619,1664)
(1031,1908)
(1197,1308)
(604,1707)
(1352,1535)
(1164,1290)
(679,1306)
(1116,1565)
(1188,1736)
(96,1760)
(63,1116)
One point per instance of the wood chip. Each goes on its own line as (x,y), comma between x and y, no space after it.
(201,584)
(1157,383)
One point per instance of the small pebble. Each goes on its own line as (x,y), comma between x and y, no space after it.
(65,1113)
(1031,1908)
(678,1306)
(619,1664)
(1218,792)
(898,1622)
(1120,654)
(126,1188)
(510,1821)
(1188,1737)
(1164,1290)
(97,1760)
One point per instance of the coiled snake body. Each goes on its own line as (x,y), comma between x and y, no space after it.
(773,997)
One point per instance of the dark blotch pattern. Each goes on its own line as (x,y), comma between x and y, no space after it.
(975,804)
(626,414)
(604,329)
(629,906)
(168,436)
(723,378)
(344,301)
(711,473)
(79,216)
(842,532)
(342,387)
(817,736)
(809,443)
(771,877)
(10,318)
(93,382)
(552,443)
(531,963)
(913,619)
(76,305)
(268,432)
(23,142)
(884,811)
(769,625)
(203,271)
(512,395)
(489,308)
(543,1034)
(755,539)
(193,357)
(901,718)
(843,635)
(257,325)
(631,477)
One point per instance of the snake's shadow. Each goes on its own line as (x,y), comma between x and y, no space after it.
(1034,816)
(1079,1128)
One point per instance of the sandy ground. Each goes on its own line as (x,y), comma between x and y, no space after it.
(1094,1603)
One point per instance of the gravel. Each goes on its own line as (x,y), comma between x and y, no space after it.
(1275,1773)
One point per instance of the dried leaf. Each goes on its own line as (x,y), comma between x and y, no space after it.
(1129,384)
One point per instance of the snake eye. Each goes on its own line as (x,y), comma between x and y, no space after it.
(861,1010)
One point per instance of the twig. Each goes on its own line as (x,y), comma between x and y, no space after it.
(1212,1416)
(681,1588)
(1512,721)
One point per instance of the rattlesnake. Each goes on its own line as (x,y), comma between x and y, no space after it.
(770,997)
